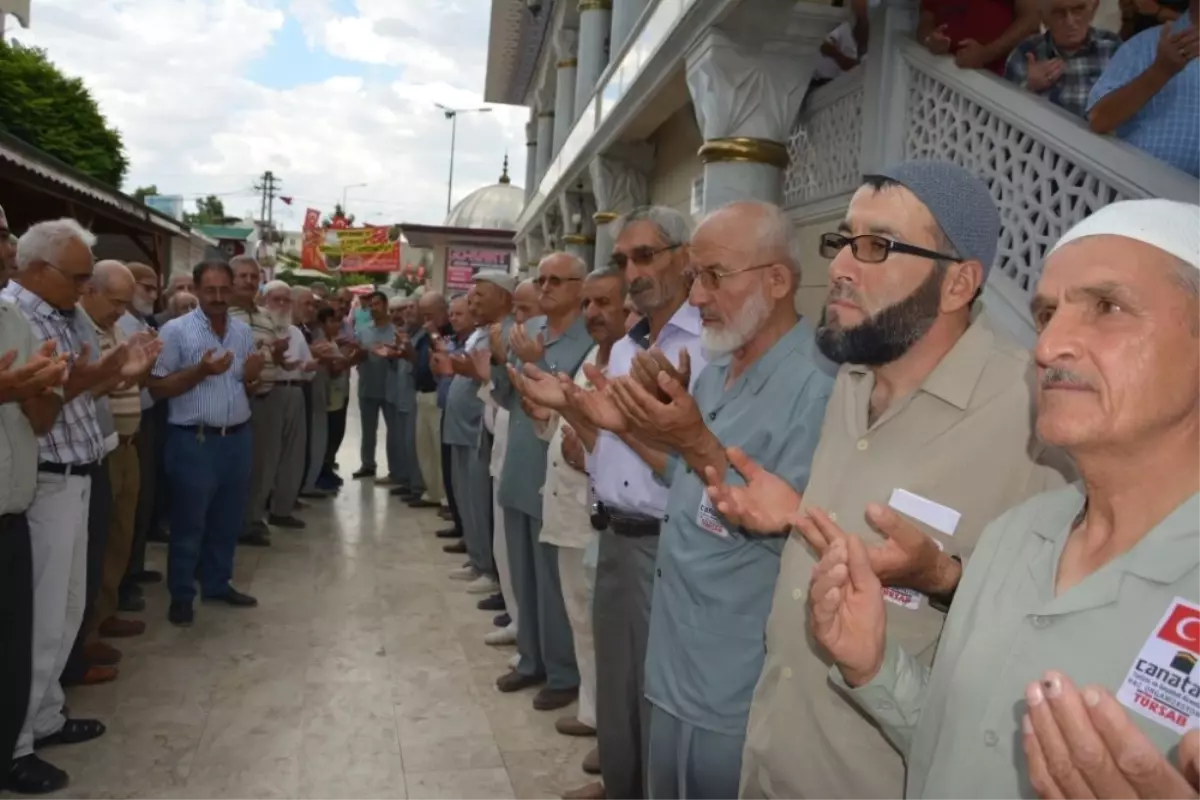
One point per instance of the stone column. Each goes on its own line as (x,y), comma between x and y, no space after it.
(566,47)
(625,14)
(747,80)
(531,155)
(545,142)
(621,182)
(595,24)
(885,85)
(579,238)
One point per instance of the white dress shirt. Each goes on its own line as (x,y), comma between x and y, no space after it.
(299,352)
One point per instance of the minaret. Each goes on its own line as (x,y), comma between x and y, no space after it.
(504,179)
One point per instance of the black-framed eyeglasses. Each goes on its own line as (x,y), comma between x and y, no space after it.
(78,280)
(553,281)
(710,277)
(640,256)
(873,249)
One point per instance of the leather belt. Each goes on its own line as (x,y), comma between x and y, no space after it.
(205,430)
(631,525)
(54,468)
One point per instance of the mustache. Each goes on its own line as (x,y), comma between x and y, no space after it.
(1053,377)
(843,291)
(639,285)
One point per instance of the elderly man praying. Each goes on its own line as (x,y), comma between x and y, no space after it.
(1095,584)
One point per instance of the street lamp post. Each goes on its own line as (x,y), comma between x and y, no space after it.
(346,189)
(452,115)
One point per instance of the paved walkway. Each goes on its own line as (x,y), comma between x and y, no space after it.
(362,674)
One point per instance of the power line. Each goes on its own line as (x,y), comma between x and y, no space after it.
(268,187)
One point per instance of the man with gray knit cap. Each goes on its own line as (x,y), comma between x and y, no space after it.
(931,415)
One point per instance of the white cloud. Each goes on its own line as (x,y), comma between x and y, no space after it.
(173,75)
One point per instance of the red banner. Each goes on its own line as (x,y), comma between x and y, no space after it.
(367,249)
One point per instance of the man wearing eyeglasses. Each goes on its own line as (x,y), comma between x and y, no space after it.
(930,414)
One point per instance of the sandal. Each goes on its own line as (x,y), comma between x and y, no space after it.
(30,775)
(73,731)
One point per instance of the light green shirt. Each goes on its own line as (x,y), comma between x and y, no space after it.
(1128,624)
(18,445)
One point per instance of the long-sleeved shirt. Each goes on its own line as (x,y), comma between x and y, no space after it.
(422,344)
(566,508)
(18,444)
(130,323)
(1133,626)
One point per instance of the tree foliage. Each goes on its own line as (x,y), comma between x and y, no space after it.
(209,211)
(142,192)
(57,114)
(338,214)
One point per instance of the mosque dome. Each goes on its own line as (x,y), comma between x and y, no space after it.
(494,207)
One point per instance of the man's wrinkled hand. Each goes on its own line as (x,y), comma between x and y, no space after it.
(540,387)
(971,55)
(251,369)
(1085,745)
(673,425)
(649,364)
(595,405)
(846,611)
(530,351)
(765,505)
(211,364)
(572,449)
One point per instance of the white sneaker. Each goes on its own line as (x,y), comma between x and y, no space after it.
(501,637)
(467,573)
(484,584)
(515,661)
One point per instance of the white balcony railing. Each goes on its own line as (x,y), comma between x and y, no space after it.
(1045,169)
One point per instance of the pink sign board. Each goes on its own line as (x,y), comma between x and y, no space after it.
(463,262)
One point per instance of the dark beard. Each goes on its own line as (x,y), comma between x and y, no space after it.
(886,336)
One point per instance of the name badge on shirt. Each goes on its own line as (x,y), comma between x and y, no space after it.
(708,519)
(906,598)
(1161,684)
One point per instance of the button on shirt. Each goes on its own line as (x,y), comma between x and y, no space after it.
(1168,125)
(218,401)
(713,592)
(525,459)
(75,437)
(965,440)
(1081,69)
(373,373)
(959,725)
(18,445)
(621,479)
(566,510)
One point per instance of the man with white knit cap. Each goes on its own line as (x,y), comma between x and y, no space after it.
(1065,667)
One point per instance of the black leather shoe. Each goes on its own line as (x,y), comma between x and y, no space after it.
(403,492)
(148,576)
(181,614)
(457,547)
(363,473)
(493,602)
(502,620)
(449,533)
(446,514)
(30,775)
(131,603)
(286,522)
(513,681)
(419,503)
(255,539)
(73,731)
(233,597)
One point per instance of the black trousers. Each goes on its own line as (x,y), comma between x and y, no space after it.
(147,447)
(337,432)
(447,483)
(16,631)
(99,521)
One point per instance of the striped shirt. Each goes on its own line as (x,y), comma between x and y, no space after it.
(75,437)
(266,333)
(125,403)
(130,324)
(218,401)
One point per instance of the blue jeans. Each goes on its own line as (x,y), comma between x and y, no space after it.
(210,486)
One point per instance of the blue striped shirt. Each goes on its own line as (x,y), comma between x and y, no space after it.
(218,401)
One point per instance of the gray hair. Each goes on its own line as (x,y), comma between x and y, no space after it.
(673,226)
(44,241)
(579,267)
(773,236)
(243,259)
(274,286)
(609,272)
(106,271)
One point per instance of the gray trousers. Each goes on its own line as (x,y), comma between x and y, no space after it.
(402,446)
(473,494)
(544,639)
(318,441)
(290,473)
(621,627)
(266,424)
(370,410)
(691,763)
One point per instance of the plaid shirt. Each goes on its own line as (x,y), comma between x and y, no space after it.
(1081,69)
(75,437)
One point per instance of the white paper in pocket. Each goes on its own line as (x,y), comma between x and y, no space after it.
(937,516)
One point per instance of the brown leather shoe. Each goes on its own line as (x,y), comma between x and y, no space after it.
(570,726)
(117,628)
(101,654)
(548,699)
(591,762)
(593,791)
(97,675)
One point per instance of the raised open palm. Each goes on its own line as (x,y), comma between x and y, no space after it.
(846,611)
(596,406)
(764,505)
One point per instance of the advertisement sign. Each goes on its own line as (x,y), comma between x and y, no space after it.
(367,249)
(463,262)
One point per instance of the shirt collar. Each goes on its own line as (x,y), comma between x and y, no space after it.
(685,319)
(31,302)
(955,377)
(753,379)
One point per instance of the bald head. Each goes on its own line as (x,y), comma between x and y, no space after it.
(109,293)
(434,309)
(525,301)
(109,273)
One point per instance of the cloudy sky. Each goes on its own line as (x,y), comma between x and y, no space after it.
(326,93)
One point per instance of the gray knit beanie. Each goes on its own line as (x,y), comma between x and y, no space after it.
(959,202)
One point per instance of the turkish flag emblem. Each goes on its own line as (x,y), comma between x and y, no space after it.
(1182,628)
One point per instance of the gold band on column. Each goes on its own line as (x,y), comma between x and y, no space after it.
(595,5)
(742,148)
(578,238)
(546,115)
(568,63)
(532,264)
(605,217)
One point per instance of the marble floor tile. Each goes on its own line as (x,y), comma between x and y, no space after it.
(468,784)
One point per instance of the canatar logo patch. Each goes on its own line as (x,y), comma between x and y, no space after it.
(1160,685)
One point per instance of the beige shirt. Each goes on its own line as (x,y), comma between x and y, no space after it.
(266,333)
(566,511)
(964,440)
(125,403)
(18,445)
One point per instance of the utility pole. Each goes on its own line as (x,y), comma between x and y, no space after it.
(269,188)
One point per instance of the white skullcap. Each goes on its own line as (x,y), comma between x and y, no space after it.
(1171,226)
(498,277)
(399,301)
(275,285)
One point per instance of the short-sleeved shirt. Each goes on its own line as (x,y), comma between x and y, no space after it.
(18,445)
(566,509)
(75,437)
(124,403)
(266,333)
(374,372)
(1081,69)
(1132,626)
(464,409)
(713,588)
(963,440)
(981,20)
(218,401)
(89,333)
(1168,125)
